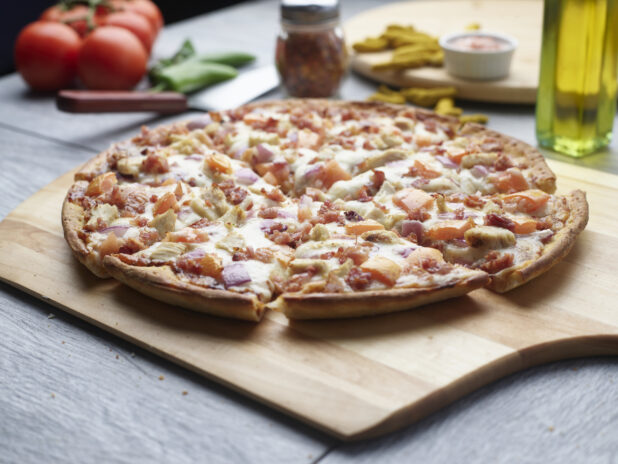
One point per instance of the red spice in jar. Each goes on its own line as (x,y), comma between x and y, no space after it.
(311,55)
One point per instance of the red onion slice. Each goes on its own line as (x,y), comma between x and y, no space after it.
(264,153)
(479,171)
(447,162)
(266,225)
(415,227)
(118,231)
(235,274)
(199,123)
(406,252)
(246,176)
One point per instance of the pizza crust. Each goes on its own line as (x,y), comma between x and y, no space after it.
(370,303)
(542,177)
(553,253)
(72,224)
(162,284)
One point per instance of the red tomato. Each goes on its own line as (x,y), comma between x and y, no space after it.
(76,17)
(111,58)
(143,7)
(51,14)
(46,55)
(135,23)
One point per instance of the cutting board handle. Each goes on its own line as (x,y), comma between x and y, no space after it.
(112,101)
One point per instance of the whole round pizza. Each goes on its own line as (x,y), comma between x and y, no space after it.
(319,209)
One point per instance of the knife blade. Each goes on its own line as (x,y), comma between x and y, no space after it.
(247,86)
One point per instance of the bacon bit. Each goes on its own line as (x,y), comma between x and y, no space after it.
(274,194)
(363,195)
(327,213)
(296,282)
(101,184)
(353,216)
(240,255)
(420,170)
(201,224)
(355,253)
(473,201)
(148,236)
(167,201)
(188,235)
(179,192)
(155,164)
(233,194)
(494,262)
(543,224)
(132,245)
(334,284)
(358,279)
(377,179)
(496,220)
(140,221)
(502,163)
(269,213)
(264,255)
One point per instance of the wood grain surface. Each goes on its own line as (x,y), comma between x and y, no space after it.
(521,19)
(353,378)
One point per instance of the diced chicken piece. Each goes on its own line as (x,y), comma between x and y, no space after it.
(319,233)
(166,251)
(130,166)
(231,242)
(380,159)
(255,138)
(164,223)
(234,216)
(303,265)
(106,213)
(382,269)
(489,237)
(381,236)
(486,159)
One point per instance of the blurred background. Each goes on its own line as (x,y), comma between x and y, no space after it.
(16,15)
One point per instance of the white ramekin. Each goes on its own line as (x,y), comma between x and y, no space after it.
(478,64)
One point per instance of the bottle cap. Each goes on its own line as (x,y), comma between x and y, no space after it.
(303,12)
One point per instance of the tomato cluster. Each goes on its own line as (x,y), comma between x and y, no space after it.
(106,43)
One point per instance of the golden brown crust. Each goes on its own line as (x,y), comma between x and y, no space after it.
(370,303)
(553,253)
(72,224)
(162,284)
(542,177)
(94,167)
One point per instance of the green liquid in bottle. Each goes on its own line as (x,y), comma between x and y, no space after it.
(576,100)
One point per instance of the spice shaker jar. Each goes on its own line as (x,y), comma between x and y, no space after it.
(311,55)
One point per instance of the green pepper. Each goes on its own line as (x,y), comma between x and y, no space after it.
(192,75)
(235,59)
(185,52)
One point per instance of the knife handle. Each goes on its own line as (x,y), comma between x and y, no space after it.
(112,101)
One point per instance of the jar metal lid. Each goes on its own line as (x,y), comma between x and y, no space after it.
(309,12)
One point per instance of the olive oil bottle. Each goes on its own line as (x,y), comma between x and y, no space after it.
(576,100)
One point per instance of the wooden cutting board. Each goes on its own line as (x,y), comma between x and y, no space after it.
(351,378)
(521,19)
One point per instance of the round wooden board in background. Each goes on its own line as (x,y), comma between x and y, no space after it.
(521,19)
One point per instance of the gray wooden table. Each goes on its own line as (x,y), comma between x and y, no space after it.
(70,392)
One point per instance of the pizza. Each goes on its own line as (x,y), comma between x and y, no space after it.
(319,209)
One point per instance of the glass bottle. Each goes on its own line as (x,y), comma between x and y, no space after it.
(576,101)
(311,54)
